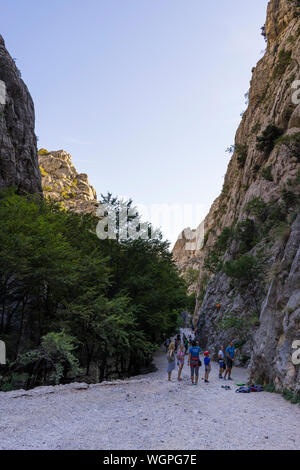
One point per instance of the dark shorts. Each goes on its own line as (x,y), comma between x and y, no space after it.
(222,364)
(229,363)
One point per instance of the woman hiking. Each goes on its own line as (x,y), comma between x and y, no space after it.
(171,360)
(180,360)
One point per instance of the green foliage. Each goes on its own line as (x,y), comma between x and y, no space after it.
(267,173)
(292,143)
(43,152)
(191,276)
(213,260)
(246,233)
(256,128)
(266,142)
(246,268)
(284,59)
(242,153)
(115,299)
(290,198)
(43,172)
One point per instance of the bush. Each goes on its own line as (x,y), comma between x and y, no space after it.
(258,207)
(266,142)
(267,173)
(246,233)
(213,261)
(242,153)
(292,143)
(43,152)
(247,268)
(289,198)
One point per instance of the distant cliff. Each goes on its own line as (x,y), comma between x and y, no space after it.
(18,150)
(247,273)
(61,182)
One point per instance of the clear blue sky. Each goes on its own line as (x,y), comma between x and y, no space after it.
(145,94)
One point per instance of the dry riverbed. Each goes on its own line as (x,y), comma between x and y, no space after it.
(149,413)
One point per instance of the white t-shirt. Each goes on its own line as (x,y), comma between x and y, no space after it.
(221,354)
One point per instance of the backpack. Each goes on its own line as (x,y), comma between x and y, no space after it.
(243,390)
(257,388)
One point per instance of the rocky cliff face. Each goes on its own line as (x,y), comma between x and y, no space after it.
(18,151)
(62,183)
(249,264)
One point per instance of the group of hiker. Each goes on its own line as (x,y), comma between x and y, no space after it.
(178,349)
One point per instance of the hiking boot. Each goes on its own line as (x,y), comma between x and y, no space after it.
(229,378)
(220,376)
(206,381)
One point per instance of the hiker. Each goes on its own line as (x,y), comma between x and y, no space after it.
(186,344)
(177,341)
(221,359)
(167,344)
(194,362)
(230,353)
(207,366)
(180,360)
(171,360)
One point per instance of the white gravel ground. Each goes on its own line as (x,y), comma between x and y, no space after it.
(149,413)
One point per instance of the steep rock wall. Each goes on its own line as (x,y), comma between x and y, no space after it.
(262,315)
(18,150)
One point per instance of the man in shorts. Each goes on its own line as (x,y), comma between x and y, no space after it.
(194,362)
(230,353)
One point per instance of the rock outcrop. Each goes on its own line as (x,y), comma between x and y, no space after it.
(254,223)
(62,183)
(18,143)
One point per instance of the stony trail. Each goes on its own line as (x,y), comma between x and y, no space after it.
(149,413)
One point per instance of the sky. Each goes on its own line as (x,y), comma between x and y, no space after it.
(146,95)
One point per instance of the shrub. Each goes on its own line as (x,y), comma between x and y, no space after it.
(256,128)
(191,276)
(242,152)
(284,59)
(43,172)
(289,198)
(267,173)
(258,207)
(213,261)
(246,233)
(266,142)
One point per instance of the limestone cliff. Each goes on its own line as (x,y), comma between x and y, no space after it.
(250,260)
(62,183)
(18,150)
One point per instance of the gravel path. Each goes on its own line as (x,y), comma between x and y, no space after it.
(149,413)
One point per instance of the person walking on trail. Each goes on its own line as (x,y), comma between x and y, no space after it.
(167,344)
(186,344)
(230,353)
(180,360)
(221,359)
(207,366)
(194,362)
(171,360)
